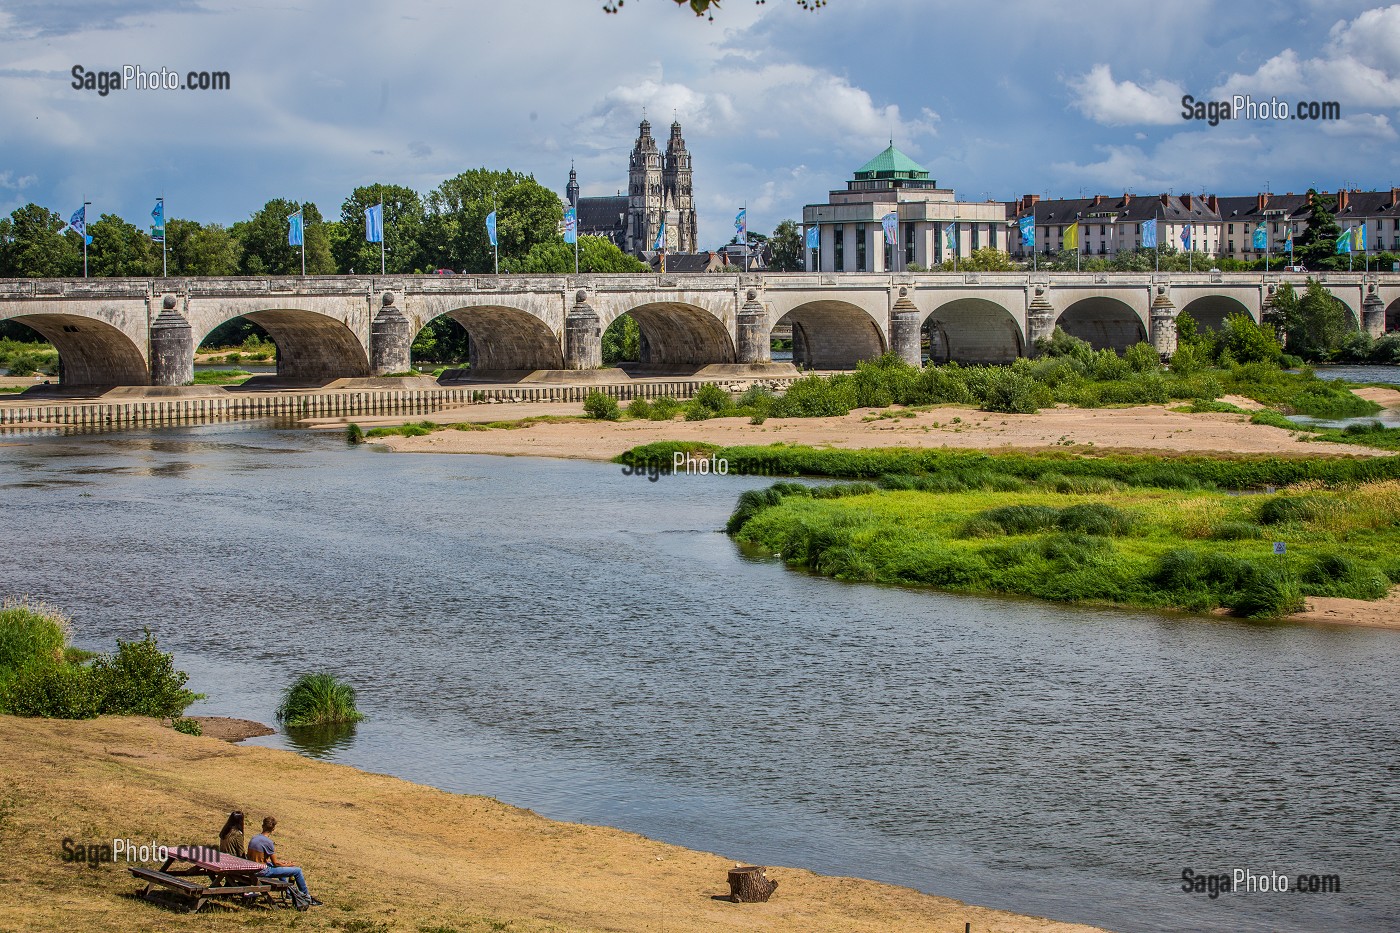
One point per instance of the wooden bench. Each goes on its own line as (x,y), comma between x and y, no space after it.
(228,877)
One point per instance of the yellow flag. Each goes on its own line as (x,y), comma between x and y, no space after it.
(1071,240)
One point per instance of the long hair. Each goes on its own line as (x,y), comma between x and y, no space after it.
(234,821)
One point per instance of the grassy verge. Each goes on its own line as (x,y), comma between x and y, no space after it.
(1119,545)
(423,428)
(953,469)
(221,377)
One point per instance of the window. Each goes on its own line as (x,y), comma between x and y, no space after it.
(860,247)
(838,253)
(992,235)
(1232,246)
(908,244)
(1232,228)
(974,236)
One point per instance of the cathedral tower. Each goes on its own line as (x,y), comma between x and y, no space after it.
(676,184)
(645,194)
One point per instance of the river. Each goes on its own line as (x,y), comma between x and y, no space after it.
(592,646)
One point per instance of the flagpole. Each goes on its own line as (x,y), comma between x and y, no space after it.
(746,237)
(303,243)
(496,246)
(383,233)
(164,269)
(86,205)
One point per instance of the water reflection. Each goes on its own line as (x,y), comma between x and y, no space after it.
(321,741)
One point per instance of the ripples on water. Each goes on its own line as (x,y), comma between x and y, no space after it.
(590,645)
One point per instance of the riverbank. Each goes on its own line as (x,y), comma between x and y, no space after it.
(1155,429)
(459,863)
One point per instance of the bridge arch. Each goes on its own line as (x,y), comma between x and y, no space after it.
(832,334)
(675,334)
(505,339)
(311,347)
(91,352)
(1210,311)
(1104,322)
(1392,316)
(973,330)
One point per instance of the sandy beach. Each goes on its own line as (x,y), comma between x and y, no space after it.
(1141,429)
(459,863)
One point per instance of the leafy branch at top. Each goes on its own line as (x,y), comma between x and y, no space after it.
(705,7)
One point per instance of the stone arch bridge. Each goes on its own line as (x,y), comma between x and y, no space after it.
(111,332)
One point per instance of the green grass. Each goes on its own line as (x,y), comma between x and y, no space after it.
(318,700)
(12,390)
(30,633)
(1148,547)
(1372,434)
(221,377)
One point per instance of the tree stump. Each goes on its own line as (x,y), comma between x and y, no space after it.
(748,885)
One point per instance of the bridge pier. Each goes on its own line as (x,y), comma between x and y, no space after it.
(1373,314)
(390,340)
(1163,324)
(583,335)
(753,343)
(1040,319)
(905,330)
(172,347)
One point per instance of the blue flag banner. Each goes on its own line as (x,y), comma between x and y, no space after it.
(814,237)
(158,221)
(374,224)
(891,224)
(79,220)
(1360,239)
(570,225)
(1027,225)
(660,243)
(1186,237)
(1261,237)
(1149,234)
(1344,242)
(950,236)
(491,227)
(1288,243)
(741,224)
(294,237)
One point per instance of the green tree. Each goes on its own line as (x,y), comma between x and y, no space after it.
(120,249)
(1316,247)
(987,259)
(705,8)
(622,341)
(595,254)
(1246,341)
(198,249)
(787,248)
(403,231)
(1314,324)
(527,213)
(264,250)
(32,245)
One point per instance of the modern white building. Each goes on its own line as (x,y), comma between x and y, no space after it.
(852,237)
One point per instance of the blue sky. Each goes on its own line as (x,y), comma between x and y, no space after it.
(778,105)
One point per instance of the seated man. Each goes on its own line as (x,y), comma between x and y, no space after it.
(261,849)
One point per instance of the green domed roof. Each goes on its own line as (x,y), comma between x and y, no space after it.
(891,164)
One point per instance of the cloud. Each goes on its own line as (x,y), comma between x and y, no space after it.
(1120,103)
(29,19)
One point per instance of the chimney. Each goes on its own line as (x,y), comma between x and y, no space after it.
(1261,202)
(1341,200)
(1394,196)
(1213,203)
(1127,199)
(1028,201)
(1186,200)
(1166,200)
(1098,199)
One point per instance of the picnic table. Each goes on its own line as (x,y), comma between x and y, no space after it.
(227,876)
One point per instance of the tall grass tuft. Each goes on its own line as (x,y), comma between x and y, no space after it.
(30,632)
(317,700)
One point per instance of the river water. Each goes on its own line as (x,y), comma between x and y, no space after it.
(592,646)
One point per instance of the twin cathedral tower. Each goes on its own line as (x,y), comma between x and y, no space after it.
(658,186)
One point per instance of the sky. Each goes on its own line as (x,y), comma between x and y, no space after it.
(778,105)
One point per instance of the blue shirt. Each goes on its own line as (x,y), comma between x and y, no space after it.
(263,845)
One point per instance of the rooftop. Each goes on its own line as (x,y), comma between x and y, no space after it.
(891,164)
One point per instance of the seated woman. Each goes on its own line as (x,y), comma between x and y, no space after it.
(231,836)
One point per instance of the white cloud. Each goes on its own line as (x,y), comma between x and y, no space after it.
(1119,103)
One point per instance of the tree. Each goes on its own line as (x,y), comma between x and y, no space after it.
(1316,246)
(33,246)
(622,341)
(705,8)
(984,259)
(403,231)
(1314,324)
(193,248)
(262,239)
(120,249)
(787,248)
(595,254)
(527,213)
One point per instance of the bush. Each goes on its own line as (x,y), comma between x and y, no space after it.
(1337,575)
(140,680)
(30,633)
(602,407)
(1011,392)
(316,700)
(664,408)
(713,398)
(1095,518)
(1063,344)
(1282,510)
(815,397)
(354,434)
(639,408)
(1267,594)
(1248,342)
(1143,358)
(1020,519)
(54,691)
(187,726)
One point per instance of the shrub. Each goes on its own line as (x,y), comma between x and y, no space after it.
(140,680)
(664,408)
(1095,518)
(354,435)
(1187,360)
(1248,342)
(187,726)
(1062,343)
(316,700)
(1011,392)
(1020,519)
(815,397)
(54,691)
(1267,594)
(1282,510)
(639,408)
(30,632)
(602,407)
(711,397)
(1143,358)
